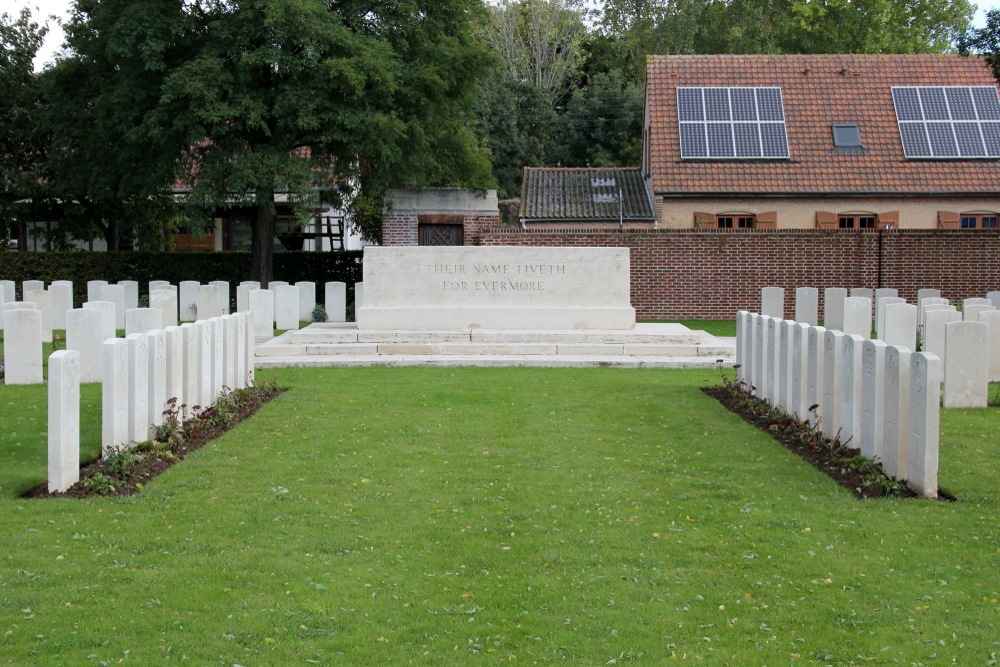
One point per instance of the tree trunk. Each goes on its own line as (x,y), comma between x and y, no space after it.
(111,236)
(262,238)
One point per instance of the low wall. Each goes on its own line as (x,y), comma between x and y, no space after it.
(710,274)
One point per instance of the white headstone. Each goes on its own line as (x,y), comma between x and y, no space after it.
(64,420)
(229,352)
(250,348)
(138,387)
(22,349)
(759,355)
(157,284)
(882,292)
(975,301)
(114,395)
(966,375)
(165,301)
(209,300)
(994,298)
(972,312)
(116,295)
(880,305)
(749,349)
(807,305)
(287,314)
(243,298)
(31,286)
(223,295)
(43,303)
(858,316)
(785,380)
(175,364)
(62,301)
(107,310)
(187,297)
(336,302)
(307,300)
(928,302)
(925,415)
(131,293)
(772,302)
(241,351)
(833,374)
(933,335)
(95,289)
(871,436)
(359,298)
(218,356)
(141,320)
(896,440)
(900,325)
(4,298)
(800,365)
(742,321)
(156,346)
(815,382)
(865,292)
(192,369)
(7,291)
(833,308)
(262,310)
(272,287)
(85,333)
(923,294)
(850,390)
(206,388)
(992,319)
(252,284)
(772,362)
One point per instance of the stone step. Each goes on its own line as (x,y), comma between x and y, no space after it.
(497,361)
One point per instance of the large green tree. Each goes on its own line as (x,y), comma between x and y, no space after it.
(249,101)
(20,39)
(985,41)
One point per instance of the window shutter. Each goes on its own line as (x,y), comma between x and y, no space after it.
(949,220)
(888,220)
(766,220)
(704,220)
(825,220)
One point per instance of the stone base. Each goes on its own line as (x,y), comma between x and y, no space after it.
(438,318)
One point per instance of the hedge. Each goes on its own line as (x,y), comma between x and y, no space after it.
(318,267)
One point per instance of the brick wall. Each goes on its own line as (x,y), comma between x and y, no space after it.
(399,229)
(678,274)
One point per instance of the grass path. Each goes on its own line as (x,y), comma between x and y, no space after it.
(466,516)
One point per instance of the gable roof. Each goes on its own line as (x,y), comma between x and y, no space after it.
(818,91)
(562,194)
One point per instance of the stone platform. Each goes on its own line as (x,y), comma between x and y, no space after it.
(645,346)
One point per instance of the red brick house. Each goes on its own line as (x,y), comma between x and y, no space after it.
(822,142)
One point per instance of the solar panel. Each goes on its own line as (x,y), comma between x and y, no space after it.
(915,142)
(987,103)
(689,104)
(948,122)
(970,140)
(693,141)
(717,104)
(731,123)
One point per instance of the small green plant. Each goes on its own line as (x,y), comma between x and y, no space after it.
(121,463)
(100,483)
(57,343)
(171,432)
(319,313)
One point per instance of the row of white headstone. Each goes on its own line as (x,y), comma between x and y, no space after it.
(898,323)
(181,368)
(189,301)
(881,399)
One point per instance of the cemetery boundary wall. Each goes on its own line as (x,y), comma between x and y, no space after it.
(711,274)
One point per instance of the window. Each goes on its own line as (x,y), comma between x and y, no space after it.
(857,221)
(735,221)
(979,221)
(846,136)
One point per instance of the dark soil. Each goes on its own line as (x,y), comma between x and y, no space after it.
(838,462)
(197,433)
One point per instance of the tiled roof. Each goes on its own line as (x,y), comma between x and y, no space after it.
(818,91)
(584,194)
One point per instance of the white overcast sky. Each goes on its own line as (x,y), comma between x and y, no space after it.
(41,10)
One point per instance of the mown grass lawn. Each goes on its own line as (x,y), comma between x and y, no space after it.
(483,516)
